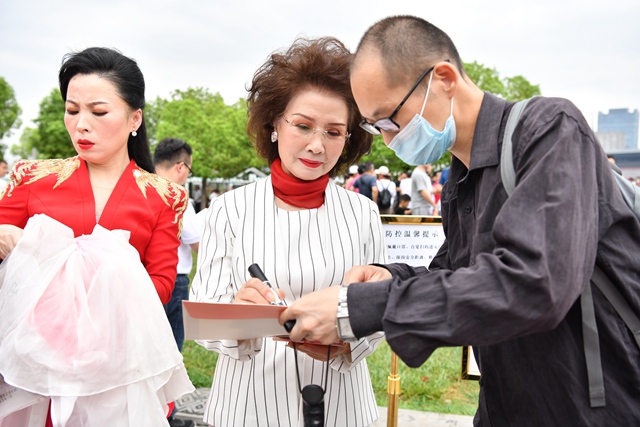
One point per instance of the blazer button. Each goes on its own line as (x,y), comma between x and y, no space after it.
(467,209)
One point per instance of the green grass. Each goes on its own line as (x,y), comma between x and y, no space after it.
(434,387)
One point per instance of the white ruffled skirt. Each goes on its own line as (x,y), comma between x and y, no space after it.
(81,325)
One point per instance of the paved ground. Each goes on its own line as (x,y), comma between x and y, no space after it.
(191,407)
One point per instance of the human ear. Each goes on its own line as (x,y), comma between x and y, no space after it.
(137,118)
(448,75)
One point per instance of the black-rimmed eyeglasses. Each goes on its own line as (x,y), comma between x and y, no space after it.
(187,166)
(387,124)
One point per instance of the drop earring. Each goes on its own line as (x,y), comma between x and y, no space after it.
(274,136)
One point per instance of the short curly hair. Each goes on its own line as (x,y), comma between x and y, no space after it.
(322,64)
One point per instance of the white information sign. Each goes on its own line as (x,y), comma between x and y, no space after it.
(415,240)
(413,244)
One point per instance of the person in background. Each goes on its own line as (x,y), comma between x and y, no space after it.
(353,175)
(402,175)
(109,185)
(444,176)
(422,200)
(360,173)
(304,122)
(172,159)
(384,182)
(213,195)
(404,187)
(402,207)
(437,188)
(197,197)
(509,277)
(4,169)
(367,184)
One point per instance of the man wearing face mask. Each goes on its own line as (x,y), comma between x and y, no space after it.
(509,275)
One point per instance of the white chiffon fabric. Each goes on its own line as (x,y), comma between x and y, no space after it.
(81,323)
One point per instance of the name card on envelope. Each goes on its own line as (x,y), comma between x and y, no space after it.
(220,321)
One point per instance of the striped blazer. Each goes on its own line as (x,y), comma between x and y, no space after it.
(300,252)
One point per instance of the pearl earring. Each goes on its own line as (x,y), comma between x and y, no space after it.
(134,133)
(274,136)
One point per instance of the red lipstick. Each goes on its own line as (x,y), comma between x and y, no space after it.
(85,144)
(311,163)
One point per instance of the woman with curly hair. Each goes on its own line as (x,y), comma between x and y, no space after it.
(304,230)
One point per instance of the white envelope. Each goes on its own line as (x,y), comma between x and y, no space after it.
(220,321)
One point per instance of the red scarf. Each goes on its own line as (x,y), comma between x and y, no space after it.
(297,192)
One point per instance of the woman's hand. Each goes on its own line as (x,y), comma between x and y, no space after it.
(256,292)
(9,236)
(318,351)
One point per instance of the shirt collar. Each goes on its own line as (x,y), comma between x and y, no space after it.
(484,149)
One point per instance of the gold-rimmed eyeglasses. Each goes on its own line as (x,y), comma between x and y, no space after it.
(303,130)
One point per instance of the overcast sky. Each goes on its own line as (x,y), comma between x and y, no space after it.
(587,51)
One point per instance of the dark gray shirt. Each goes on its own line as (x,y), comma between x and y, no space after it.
(509,274)
(365,184)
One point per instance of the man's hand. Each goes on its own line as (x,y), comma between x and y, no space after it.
(315,315)
(256,292)
(366,273)
(9,236)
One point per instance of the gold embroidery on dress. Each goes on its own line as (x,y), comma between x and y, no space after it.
(38,169)
(166,190)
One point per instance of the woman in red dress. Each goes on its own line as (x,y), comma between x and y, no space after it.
(110,183)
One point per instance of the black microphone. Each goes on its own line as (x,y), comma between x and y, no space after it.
(313,405)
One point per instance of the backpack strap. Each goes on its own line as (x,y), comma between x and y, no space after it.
(618,302)
(507,170)
(591,342)
(590,331)
(591,345)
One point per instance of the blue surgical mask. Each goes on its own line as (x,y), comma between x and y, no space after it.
(419,143)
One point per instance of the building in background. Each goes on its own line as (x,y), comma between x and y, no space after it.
(612,140)
(619,120)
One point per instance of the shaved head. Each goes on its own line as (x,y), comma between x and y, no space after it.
(406,46)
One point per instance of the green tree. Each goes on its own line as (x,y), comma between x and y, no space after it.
(9,111)
(152,112)
(510,88)
(215,131)
(485,78)
(50,140)
(518,88)
(381,155)
(26,148)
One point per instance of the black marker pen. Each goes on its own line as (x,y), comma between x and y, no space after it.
(256,272)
